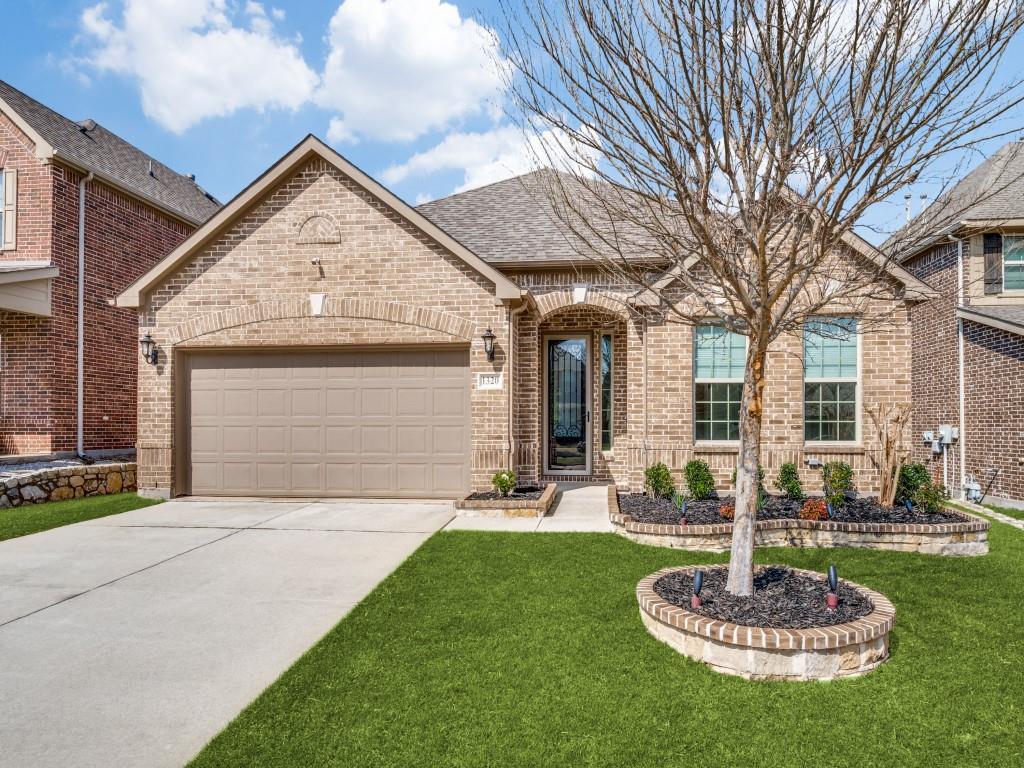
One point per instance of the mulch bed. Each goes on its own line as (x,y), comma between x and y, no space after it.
(782,599)
(644,509)
(522,492)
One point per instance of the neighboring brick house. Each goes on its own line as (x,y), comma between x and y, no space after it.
(969,342)
(318,336)
(133,212)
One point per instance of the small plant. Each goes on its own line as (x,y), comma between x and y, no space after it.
(699,480)
(838,479)
(658,481)
(789,483)
(912,477)
(727,511)
(931,496)
(814,509)
(504,481)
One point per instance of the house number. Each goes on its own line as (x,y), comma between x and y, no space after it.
(489,381)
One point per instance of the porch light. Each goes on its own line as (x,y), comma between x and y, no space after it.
(489,338)
(149,353)
(579,292)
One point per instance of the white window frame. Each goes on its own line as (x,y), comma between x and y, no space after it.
(1002,261)
(855,380)
(711,380)
(611,394)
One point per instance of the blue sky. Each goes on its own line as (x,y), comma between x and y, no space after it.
(406,89)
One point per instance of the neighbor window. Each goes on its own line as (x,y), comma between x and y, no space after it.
(830,380)
(606,392)
(719,359)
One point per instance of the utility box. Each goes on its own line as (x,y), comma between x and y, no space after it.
(948,433)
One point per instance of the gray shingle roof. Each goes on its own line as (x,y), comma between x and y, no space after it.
(94,148)
(1013,315)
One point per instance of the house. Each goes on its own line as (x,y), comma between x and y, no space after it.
(968,350)
(318,336)
(84,214)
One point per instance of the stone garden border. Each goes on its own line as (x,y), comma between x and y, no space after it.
(61,483)
(756,653)
(507,507)
(967,538)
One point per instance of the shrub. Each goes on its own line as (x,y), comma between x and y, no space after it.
(760,478)
(504,481)
(699,480)
(658,481)
(789,483)
(838,479)
(931,497)
(814,509)
(912,477)
(728,511)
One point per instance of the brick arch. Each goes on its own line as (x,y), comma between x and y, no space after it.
(549,303)
(364,309)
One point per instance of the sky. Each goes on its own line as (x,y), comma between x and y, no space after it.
(408,90)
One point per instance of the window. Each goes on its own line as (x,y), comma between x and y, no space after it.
(2,217)
(1013,262)
(830,380)
(606,392)
(8,208)
(720,357)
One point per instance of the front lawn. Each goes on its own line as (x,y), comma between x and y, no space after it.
(32,518)
(489,649)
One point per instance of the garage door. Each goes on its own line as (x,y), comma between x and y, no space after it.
(330,423)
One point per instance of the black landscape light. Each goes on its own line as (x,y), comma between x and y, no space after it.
(698,585)
(909,505)
(149,353)
(489,338)
(831,511)
(832,599)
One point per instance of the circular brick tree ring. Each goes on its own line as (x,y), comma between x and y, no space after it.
(760,653)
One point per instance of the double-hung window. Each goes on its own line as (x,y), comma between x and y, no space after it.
(718,362)
(830,380)
(1013,262)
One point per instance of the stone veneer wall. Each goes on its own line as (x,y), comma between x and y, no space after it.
(64,483)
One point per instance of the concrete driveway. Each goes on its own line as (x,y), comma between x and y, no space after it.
(133,639)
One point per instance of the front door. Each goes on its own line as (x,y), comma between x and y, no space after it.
(567,413)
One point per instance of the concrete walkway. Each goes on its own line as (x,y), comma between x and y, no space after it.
(132,640)
(577,507)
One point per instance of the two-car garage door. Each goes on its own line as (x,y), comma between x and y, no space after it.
(383,423)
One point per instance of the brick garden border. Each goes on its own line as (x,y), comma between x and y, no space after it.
(507,507)
(967,538)
(62,483)
(759,653)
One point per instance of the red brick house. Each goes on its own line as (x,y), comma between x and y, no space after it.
(84,213)
(318,336)
(968,350)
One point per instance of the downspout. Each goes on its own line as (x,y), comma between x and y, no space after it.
(80,412)
(512,315)
(960,355)
(643,345)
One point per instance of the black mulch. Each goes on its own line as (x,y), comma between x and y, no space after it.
(522,492)
(644,509)
(782,599)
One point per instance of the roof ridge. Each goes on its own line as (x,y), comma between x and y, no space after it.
(482,187)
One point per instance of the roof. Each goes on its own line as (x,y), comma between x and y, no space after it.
(18,271)
(991,193)
(1009,318)
(89,146)
(305,150)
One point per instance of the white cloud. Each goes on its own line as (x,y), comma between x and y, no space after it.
(398,69)
(490,156)
(192,60)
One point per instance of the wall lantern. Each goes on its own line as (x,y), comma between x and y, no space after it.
(149,353)
(489,338)
(579,292)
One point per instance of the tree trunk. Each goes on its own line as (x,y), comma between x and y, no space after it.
(741,560)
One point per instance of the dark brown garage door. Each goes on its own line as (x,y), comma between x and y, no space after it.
(329,423)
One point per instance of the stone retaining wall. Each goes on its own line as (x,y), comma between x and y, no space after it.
(758,653)
(507,507)
(966,538)
(63,483)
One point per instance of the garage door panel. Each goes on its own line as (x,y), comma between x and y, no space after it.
(348,423)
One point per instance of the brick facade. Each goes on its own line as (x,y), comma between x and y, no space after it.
(124,238)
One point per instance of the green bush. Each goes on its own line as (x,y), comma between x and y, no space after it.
(789,483)
(838,479)
(912,477)
(504,481)
(930,497)
(658,481)
(760,478)
(699,480)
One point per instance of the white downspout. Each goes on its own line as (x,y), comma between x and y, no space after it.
(80,411)
(960,355)
(512,314)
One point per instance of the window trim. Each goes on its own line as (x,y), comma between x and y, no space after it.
(611,392)
(1002,262)
(695,380)
(855,380)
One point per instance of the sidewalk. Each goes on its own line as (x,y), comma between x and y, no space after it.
(578,507)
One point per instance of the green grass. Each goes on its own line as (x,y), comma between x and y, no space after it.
(33,518)
(1008,511)
(488,649)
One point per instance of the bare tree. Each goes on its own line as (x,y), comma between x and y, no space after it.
(739,142)
(890,422)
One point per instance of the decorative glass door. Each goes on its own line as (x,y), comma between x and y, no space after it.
(568,415)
